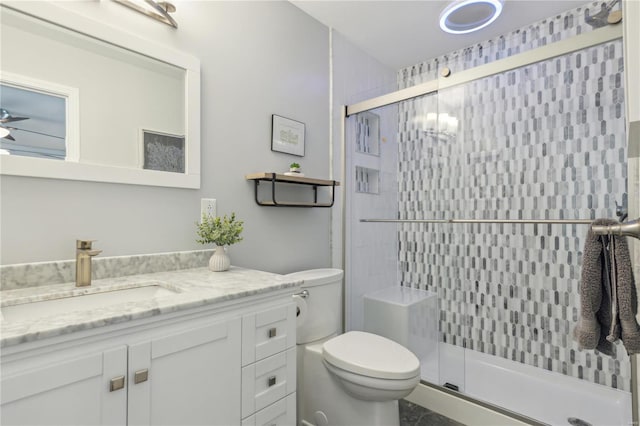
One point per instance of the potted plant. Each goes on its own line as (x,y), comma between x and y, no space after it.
(221,231)
(294,168)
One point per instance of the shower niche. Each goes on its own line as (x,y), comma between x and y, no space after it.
(367,138)
(367,180)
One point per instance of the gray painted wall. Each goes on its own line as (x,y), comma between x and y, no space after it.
(258,59)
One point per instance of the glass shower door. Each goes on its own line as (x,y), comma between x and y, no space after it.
(545,141)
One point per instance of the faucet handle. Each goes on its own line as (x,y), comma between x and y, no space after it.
(84,244)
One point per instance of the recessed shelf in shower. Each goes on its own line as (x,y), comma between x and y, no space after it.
(368,133)
(367,180)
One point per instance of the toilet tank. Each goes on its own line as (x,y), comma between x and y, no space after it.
(321,315)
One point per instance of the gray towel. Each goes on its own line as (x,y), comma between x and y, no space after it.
(627,297)
(608,301)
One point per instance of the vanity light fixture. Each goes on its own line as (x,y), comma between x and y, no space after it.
(465,16)
(158,10)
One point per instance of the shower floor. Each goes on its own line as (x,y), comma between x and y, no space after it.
(530,391)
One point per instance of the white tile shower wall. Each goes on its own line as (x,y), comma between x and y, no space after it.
(373,257)
(357,76)
(543,141)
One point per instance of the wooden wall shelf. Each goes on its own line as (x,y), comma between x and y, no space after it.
(275,178)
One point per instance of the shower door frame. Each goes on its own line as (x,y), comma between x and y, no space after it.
(556,49)
(559,48)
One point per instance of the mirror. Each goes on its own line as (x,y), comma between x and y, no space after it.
(82,100)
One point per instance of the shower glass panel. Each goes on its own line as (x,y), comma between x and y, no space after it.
(545,141)
(428,260)
(372,184)
(386,151)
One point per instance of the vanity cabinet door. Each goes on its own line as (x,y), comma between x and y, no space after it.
(77,391)
(189,378)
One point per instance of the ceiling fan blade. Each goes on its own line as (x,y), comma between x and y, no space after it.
(11,119)
(9,137)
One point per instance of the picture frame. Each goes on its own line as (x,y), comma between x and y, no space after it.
(287,136)
(163,152)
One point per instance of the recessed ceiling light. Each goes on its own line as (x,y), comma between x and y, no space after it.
(465,16)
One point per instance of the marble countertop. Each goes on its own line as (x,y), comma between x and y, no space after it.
(186,289)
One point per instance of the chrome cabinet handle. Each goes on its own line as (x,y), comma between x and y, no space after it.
(116,383)
(272,332)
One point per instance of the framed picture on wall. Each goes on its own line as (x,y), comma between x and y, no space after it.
(287,136)
(163,151)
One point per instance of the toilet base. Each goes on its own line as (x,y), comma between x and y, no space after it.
(320,396)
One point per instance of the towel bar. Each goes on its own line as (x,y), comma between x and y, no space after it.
(627,229)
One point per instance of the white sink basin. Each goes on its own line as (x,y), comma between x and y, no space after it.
(83,302)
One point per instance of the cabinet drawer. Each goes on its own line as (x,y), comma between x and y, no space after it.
(268,332)
(281,413)
(267,381)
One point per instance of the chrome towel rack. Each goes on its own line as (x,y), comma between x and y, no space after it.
(628,229)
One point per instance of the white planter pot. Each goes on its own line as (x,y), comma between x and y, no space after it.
(219,260)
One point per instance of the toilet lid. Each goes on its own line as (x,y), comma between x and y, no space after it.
(371,355)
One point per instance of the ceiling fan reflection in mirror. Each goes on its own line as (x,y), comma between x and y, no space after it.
(6,117)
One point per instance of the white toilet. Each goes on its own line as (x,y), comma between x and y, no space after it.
(354,378)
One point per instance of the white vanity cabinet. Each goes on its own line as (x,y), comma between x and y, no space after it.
(67,392)
(175,369)
(187,378)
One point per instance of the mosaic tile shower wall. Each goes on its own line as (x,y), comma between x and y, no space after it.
(544,141)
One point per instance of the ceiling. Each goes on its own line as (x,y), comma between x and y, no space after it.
(403,33)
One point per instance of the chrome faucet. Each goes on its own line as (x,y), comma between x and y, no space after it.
(83,262)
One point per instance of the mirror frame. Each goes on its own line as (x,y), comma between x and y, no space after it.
(45,168)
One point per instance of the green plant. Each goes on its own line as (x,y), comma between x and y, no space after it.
(222,231)
(294,166)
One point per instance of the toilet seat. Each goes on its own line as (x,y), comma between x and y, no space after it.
(371,355)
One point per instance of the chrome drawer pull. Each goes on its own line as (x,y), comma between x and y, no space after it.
(271,381)
(272,332)
(116,383)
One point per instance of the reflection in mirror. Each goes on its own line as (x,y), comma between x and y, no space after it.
(35,122)
(140,101)
(163,152)
(120,91)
